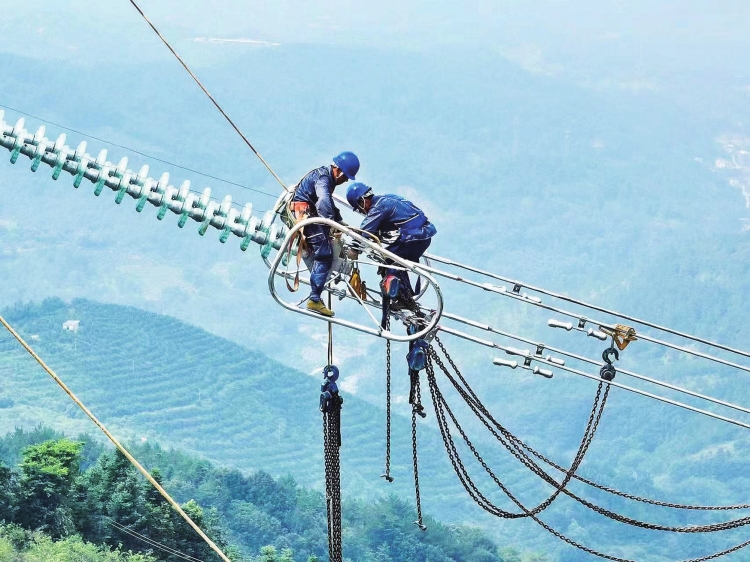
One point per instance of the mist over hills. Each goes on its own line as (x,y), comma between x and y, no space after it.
(602,191)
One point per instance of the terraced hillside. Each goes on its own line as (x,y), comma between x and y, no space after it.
(153,378)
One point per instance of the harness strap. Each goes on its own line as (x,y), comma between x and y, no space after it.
(299,210)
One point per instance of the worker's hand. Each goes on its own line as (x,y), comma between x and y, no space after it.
(352,254)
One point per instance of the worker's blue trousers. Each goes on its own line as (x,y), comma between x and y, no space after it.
(319,242)
(411,251)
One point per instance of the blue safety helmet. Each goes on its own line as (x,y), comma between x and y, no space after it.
(356,191)
(348,163)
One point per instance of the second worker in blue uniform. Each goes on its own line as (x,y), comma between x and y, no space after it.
(399,224)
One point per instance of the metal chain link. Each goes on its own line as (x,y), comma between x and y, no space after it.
(441,407)
(588,435)
(331,449)
(387,473)
(416,407)
(481,411)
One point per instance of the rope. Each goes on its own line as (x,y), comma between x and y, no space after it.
(205,91)
(116,443)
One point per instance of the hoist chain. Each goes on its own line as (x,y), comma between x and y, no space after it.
(599,486)
(441,407)
(387,473)
(332,445)
(481,412)
(515,449)
(625,494)
(416,409)
(330,406)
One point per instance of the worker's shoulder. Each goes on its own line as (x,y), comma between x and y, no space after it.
(317,173)
(388,198)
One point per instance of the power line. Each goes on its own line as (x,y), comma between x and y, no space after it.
(521,285)
(88,135)
(205,91)
(151,542)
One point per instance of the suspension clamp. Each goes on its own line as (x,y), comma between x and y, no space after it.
(621,335)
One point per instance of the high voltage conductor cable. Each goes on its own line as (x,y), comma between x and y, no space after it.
(534,301)
(559,351)
(205,175)
(537,302)
(116,443)
(589,305)
(151,542)
(205,91)
(488,343)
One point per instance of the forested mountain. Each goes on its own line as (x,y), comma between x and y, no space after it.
(63,489)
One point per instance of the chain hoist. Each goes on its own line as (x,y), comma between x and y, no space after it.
(330,406)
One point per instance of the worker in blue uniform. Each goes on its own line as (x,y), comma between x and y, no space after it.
(398,223)
(313,197)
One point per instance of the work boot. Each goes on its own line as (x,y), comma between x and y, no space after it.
(319,307)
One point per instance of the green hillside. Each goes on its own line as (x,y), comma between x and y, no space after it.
(96,508)
(152,378)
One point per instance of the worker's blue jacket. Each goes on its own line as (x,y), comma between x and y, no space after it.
(316,189)
(395,219)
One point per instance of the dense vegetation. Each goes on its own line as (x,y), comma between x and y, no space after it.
(74,492)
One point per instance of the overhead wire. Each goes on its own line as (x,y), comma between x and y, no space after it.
(598,364)
(205,91)
(488,343)
(502,291)
(589,305)
(151,542)
(115,441)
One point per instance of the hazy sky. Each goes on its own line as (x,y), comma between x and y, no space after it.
(585,39)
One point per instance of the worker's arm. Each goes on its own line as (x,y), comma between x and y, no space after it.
(374,217)
(326,207)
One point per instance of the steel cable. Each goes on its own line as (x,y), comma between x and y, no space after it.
(205,91)
(562,297)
